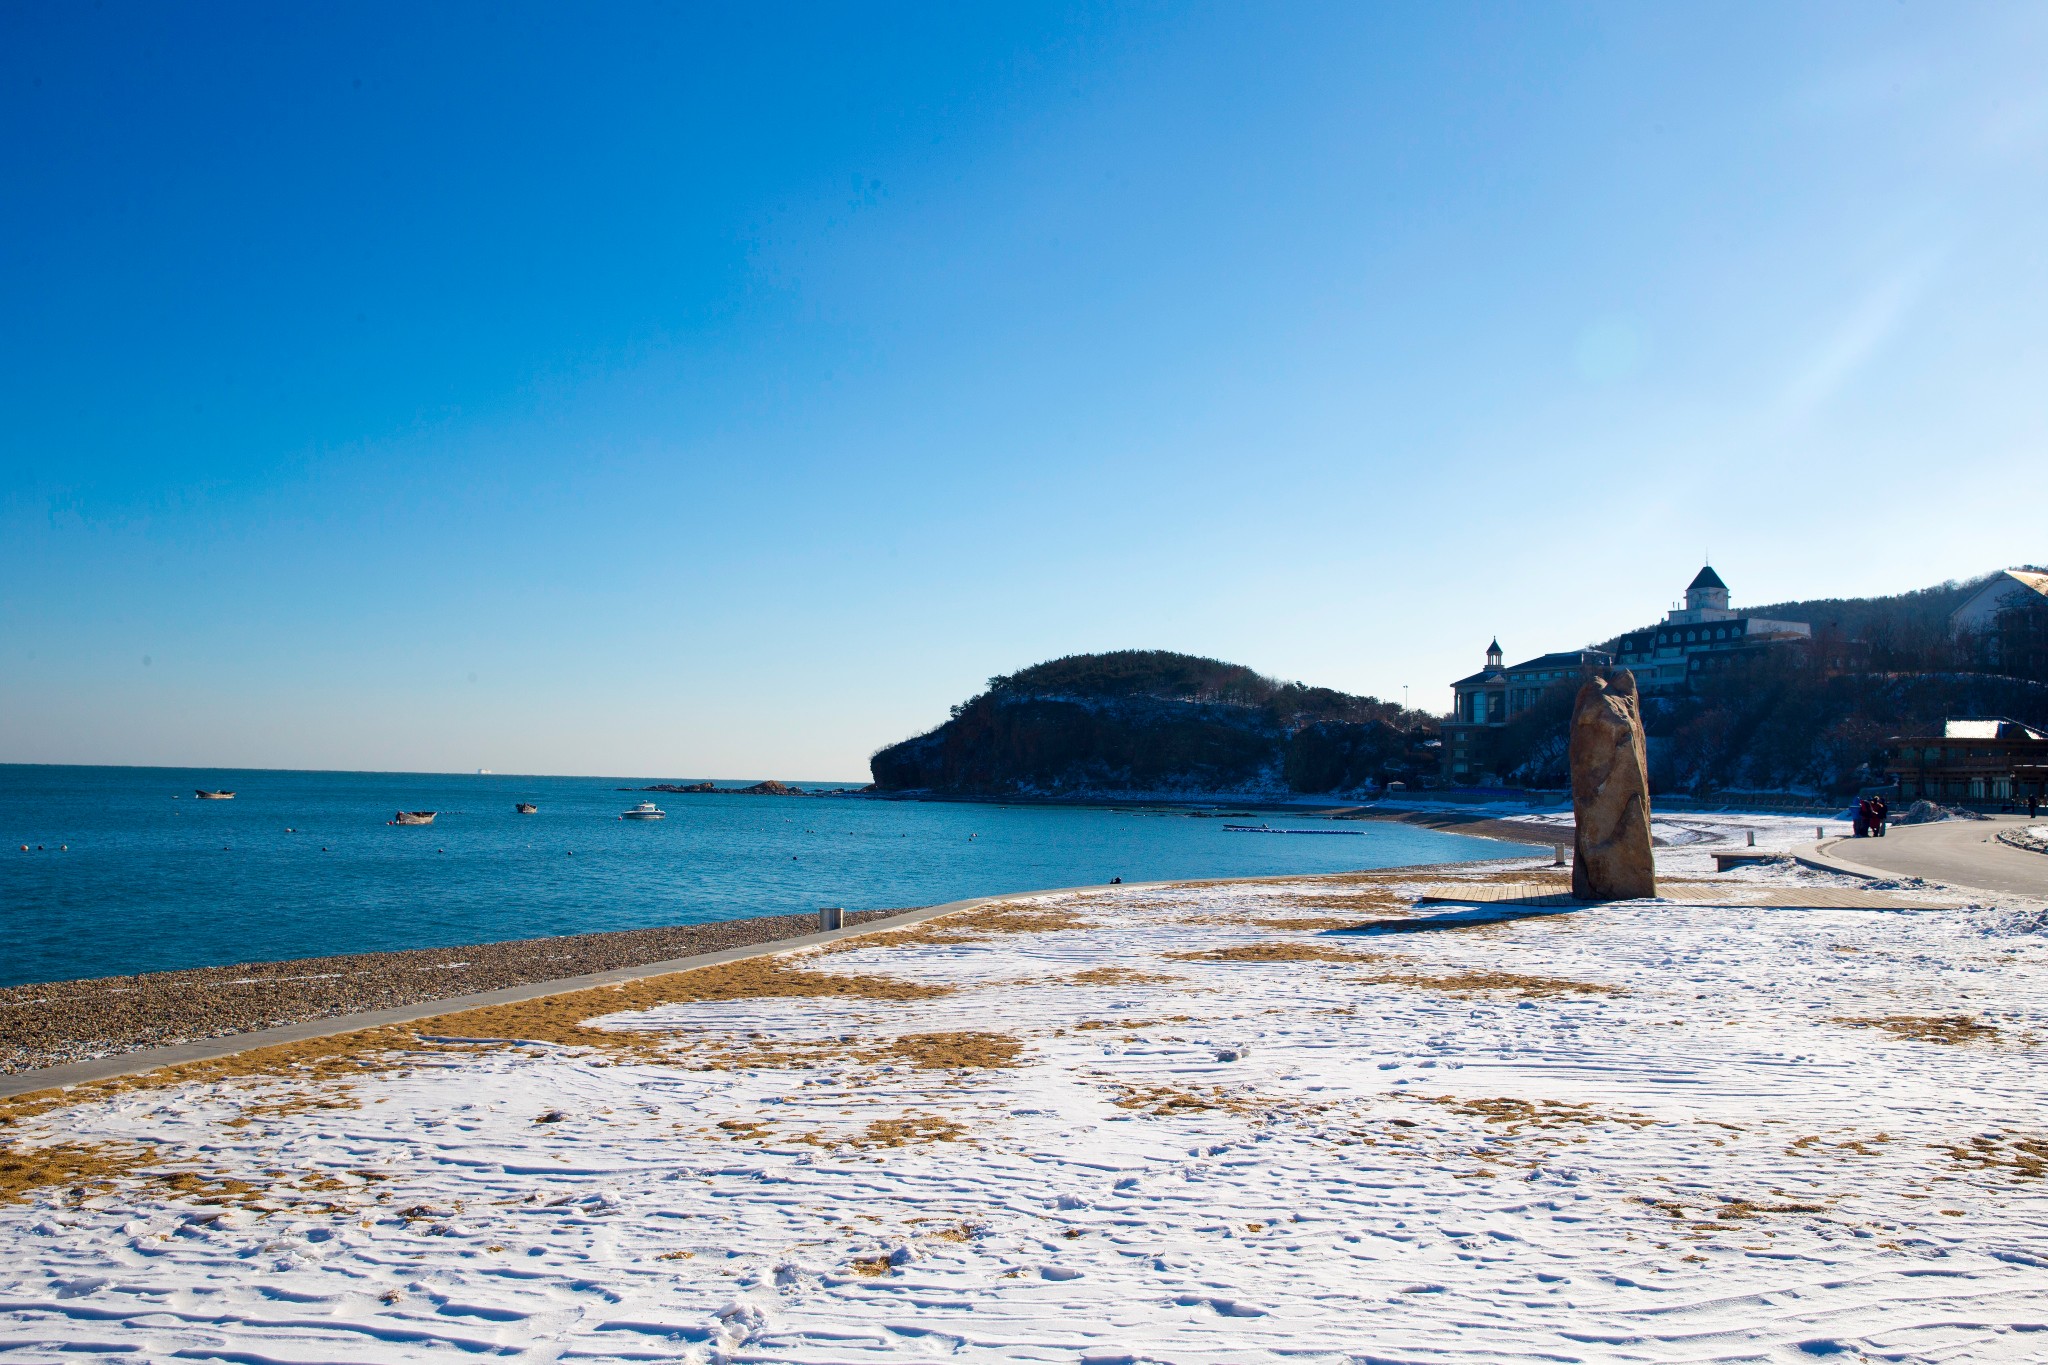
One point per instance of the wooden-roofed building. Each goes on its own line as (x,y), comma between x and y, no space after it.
(1986,759)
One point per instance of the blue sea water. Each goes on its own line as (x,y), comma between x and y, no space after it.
(126,872)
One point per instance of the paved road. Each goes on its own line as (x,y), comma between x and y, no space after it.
(1963,852)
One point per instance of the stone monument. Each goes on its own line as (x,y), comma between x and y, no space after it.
(1610,793)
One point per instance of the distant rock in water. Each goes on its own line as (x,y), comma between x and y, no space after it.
(1138,722)
(769,788)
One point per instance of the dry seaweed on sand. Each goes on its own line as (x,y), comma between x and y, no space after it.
(963,1049)
(909,1130)
(84,1166)
(564,1019)
(1274,950)
(969,926)
(2025,1157)
(1489,983)
(1814,1145)
(1732,1210)
(1119,976)
(1091,1025)
(1517,1114)
(1952,1029)
(905,1130)
(1171,1101)
(308,1062)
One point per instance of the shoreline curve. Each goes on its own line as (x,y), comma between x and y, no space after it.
(143,1060)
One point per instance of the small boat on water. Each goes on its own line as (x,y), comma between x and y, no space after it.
(646,810)
(525,807)
(415,817)
(205,795)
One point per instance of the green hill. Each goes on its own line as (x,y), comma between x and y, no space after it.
(1156,722)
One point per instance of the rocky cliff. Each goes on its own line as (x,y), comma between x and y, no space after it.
(1154,722)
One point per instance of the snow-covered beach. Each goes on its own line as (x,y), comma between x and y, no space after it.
(1303,1118)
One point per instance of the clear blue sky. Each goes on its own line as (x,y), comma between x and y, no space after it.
(725,391)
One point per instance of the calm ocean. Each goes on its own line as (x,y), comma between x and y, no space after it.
(154,879)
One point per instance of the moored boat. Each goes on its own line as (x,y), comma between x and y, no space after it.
(646,810)
(205,795)
(415,817)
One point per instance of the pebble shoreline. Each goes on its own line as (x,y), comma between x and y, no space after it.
(50,1023)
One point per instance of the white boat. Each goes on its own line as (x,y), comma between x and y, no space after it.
(646,810)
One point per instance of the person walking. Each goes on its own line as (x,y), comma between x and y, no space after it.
(1879,811)
(1862,817)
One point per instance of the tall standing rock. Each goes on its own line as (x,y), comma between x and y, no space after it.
(1610,793)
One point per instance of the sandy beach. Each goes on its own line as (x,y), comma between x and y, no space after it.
(1407,1115)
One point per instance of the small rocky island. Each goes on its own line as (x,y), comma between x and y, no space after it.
(1155,723)
(768,788)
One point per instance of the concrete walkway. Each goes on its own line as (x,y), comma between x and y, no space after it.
(1959,852)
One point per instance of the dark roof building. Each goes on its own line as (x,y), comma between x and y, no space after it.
(1700,637)
(1484,701)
